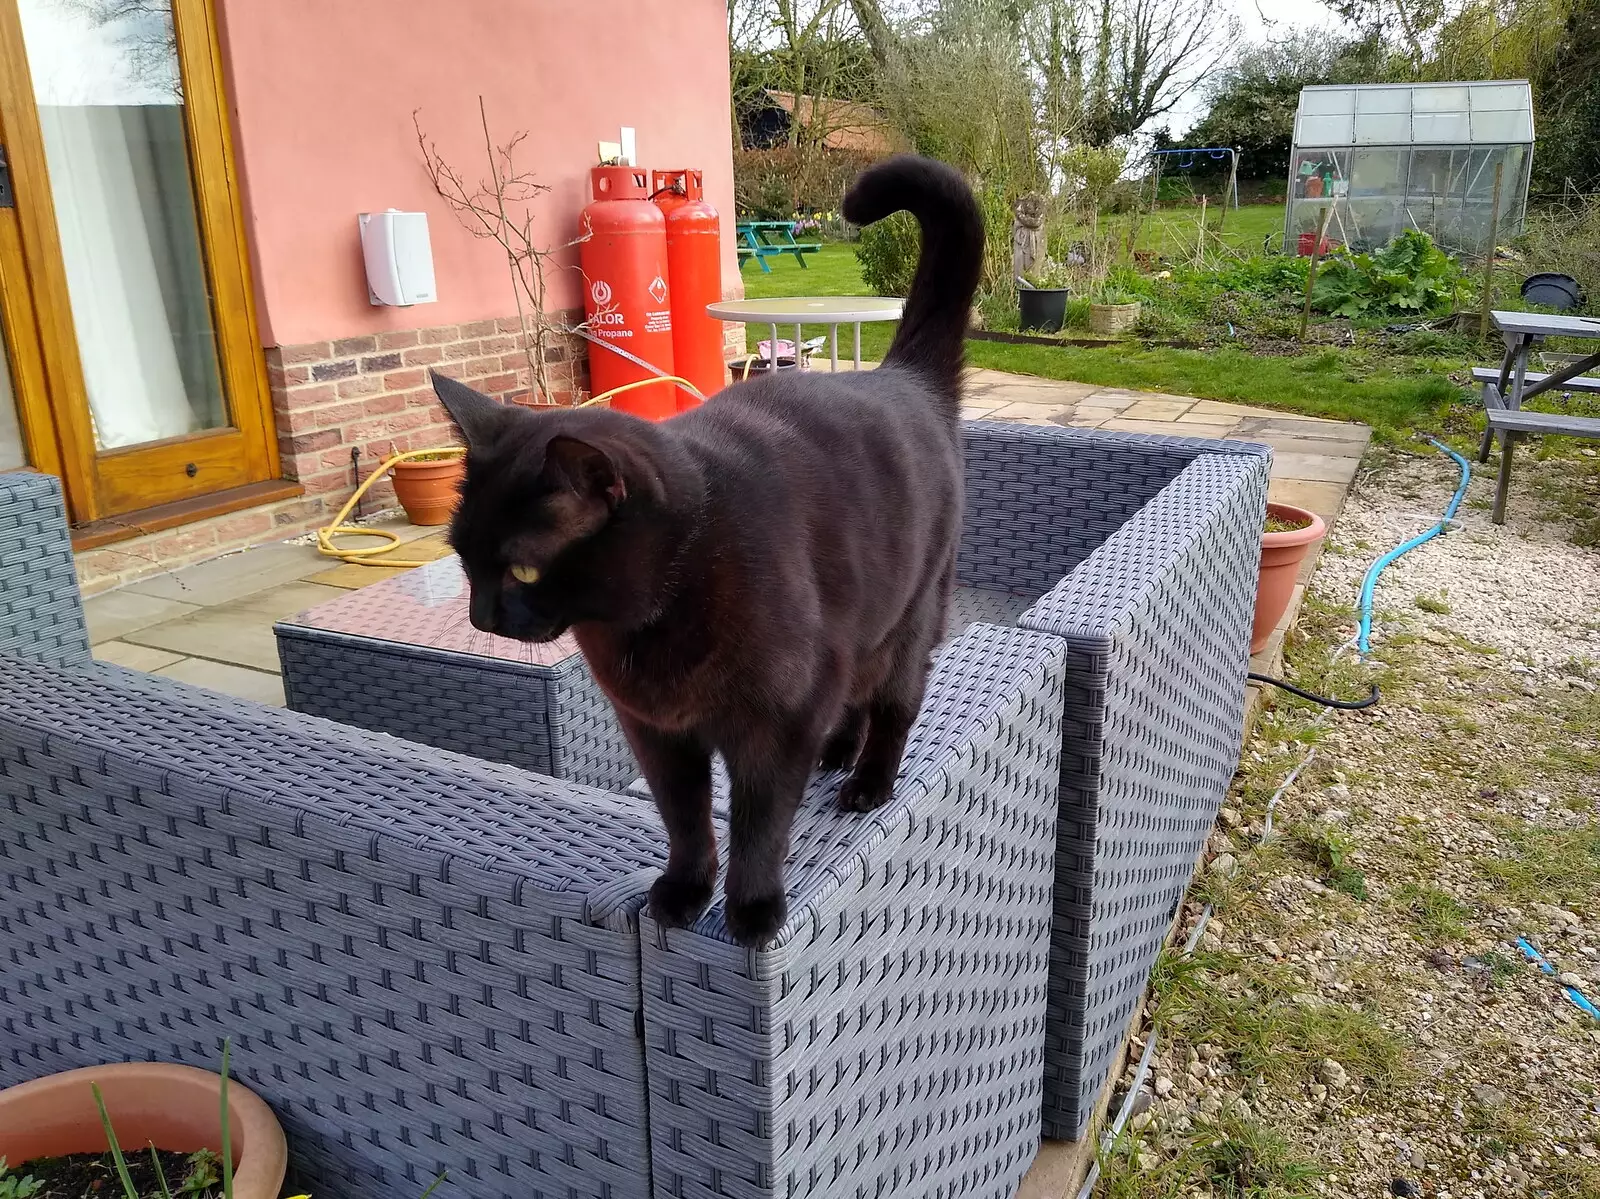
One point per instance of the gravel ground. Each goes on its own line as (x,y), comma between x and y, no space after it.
(1357,1019)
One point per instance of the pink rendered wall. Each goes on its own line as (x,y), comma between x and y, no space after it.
(323,93)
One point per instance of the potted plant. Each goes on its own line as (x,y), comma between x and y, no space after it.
(429,484)
(1042,298)
(1289,535)
(69,1122)
(1114,311)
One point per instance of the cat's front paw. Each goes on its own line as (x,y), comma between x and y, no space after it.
(677,901)
(754,922)
(859,794)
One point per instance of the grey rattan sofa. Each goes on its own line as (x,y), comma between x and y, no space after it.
(1136,556)
(1141,554)
(430,962)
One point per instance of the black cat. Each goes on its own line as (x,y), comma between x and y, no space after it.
(764,576)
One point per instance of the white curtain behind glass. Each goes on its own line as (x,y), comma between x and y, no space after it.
(101,89)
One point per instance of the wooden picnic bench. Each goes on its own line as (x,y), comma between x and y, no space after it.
(762,240)
(1506,389)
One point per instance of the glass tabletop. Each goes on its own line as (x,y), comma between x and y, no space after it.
(426,607)
(812,310)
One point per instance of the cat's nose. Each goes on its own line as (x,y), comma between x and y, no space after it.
(483,609)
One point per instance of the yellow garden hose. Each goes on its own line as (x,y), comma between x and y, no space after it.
(374,555)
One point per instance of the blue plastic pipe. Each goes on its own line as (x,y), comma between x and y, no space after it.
(1579,1000)
(1370,583)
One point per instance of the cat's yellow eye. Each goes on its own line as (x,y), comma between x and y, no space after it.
(525,574)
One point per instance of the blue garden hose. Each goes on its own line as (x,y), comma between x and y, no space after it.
(1370,583)
(1578,999)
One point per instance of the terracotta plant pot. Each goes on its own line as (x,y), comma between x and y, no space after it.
(1281,555)
(428,490)
(175,1108)
(1113,318)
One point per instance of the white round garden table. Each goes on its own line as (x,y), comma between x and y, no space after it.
(832,311)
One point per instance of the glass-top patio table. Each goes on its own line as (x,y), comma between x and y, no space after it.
(831,311)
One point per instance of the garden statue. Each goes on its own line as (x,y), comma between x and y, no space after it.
(1027,235)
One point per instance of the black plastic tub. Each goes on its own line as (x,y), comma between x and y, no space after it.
(1042,308)
(1550,289)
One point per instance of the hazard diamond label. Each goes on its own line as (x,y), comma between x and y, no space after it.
(658,290)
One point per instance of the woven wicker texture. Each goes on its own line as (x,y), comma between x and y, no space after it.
(969,606)
(41,615)
(1157,622)
(1041,499)
(400,657)
(891,1042)
(426,963)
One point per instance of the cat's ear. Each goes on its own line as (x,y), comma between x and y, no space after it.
(586,469)
(476,415)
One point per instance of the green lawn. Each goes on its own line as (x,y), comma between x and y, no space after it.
(1171,232)
(1174,233)
(1392,393)
(833,271)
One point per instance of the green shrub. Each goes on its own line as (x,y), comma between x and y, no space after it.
(1160,324)
(1111,294)
(1052,275)
(1410,276)
(1076,313)
(887,252)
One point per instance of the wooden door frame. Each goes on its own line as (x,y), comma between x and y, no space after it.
(37,331)
(34,302)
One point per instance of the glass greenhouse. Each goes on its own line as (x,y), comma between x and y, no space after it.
(1391,157)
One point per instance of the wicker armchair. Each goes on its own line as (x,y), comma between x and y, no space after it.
(1141,553)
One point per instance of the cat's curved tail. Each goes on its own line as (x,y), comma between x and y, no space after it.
(933,328)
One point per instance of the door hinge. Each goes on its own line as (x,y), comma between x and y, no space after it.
(7,199)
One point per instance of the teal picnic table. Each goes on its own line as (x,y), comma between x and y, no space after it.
(762,240)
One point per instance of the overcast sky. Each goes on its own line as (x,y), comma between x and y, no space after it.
(1260,19)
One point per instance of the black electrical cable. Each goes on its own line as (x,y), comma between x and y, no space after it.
(1344,705)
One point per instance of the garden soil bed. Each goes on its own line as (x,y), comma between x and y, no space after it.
(1043,339)
(94,1176)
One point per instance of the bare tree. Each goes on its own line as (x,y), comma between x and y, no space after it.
(1406,24)
(959,88)
(876,29)
(1099,70)
(1148,56)
(810,49)
(500,209)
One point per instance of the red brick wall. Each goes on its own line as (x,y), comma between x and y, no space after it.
(372,393)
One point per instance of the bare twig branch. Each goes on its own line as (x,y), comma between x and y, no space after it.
(490,211)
